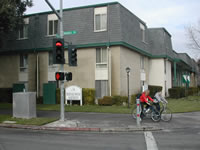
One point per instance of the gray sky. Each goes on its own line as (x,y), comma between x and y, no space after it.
(174,15)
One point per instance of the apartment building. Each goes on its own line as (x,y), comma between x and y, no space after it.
(108,37)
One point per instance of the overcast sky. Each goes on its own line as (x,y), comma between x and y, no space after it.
(173,15)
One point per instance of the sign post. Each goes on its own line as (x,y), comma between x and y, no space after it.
(138,112)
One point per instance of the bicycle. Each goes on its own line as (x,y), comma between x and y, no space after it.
(164,114)
(151,112)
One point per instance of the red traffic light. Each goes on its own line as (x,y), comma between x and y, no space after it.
(58,44)
(59,76)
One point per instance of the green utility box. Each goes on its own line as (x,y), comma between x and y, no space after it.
(49,93)
(18,87)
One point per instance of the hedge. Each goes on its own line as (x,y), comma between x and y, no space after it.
(119,100)
(178,92)
(88,95)
(6,95)
(154,89)
(107,100)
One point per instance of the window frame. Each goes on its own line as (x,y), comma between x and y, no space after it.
(23,67)
(101,11)
(142,29)
(24,28)
(53,18)
(101,63)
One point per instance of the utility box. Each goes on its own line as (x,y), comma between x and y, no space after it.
(24,105)
(49,93)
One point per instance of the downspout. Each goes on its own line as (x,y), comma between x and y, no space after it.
(109,54)
(174,73)
(37,75)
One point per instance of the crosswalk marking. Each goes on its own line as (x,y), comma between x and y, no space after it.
(150,141)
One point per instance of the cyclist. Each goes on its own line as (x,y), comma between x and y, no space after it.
(144,99)
(159,98)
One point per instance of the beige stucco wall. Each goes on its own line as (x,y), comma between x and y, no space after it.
(43,70)
(129,58)
(157,74)
(32,72)
(193,80)
(84,74)
(9,73)
(115,69)
(168,76)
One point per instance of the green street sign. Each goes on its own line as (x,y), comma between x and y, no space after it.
(70,32)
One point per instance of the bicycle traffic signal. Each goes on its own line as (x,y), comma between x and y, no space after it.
(60,76)
(72,55)
(58,51)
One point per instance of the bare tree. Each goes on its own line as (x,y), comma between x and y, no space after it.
(193,33)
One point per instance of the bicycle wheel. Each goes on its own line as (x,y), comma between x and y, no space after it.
(166,114)
(134,113)
(155,116)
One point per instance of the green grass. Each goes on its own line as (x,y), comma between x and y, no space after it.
(187,104)
(33,121)
(5,106)
(86,108)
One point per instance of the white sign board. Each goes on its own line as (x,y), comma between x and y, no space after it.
(73,93)
(143,76)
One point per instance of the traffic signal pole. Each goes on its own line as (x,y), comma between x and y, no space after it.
(60,17)
(62,105)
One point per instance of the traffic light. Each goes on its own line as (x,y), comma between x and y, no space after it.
(68,76)
(60,76)
(72,55)
(58,51)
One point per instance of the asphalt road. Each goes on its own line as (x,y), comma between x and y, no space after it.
(177,139)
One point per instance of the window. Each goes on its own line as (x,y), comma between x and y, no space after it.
(142,62)
(165,66)
(52,24)
(50,58)
(23,62)
(23,30)
(101,58)
(142,28)
(100,19)
(101,88)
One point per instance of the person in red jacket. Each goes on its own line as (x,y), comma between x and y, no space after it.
(144,99)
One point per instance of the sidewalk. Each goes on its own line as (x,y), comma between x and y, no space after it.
(105,122)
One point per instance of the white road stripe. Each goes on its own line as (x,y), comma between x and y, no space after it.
(150,141)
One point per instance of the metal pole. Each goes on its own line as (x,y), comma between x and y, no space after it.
(128,89)
(62,106)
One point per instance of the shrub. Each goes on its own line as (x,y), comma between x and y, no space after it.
(153,89)
(6,95)
(133,98)
(88,95)
(107,100)
(177,92)
(119,100)
(192,91)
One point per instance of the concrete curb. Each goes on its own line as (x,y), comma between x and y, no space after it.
(119,129)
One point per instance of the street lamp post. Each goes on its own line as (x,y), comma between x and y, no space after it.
(128,73)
